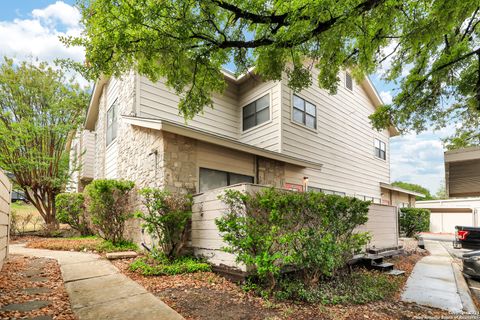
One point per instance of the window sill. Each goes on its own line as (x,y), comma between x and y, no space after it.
(258,126)
(301,125)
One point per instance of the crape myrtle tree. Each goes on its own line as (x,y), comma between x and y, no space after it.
(431,48)
(40,109)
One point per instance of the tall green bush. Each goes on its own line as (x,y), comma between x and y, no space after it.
(413,221)
(166,219)
(108,203)
(274,230)
(71,210)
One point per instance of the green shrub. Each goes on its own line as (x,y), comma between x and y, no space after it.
(413,221)
(166,219)
(274,230)
(149,266)
(71,210)
(107,202)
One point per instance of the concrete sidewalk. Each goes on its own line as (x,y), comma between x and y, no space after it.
(436,281)
(97,289)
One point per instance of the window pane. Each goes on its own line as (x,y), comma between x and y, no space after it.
(249,122)
(299,103)
(377,152)
(263,102)
(297,115)
(314,189)
(239,178)
(377,143)
(382,155)
(249,110)
(383,146)
(310,121)
(263,116)
(211,179)
(310,109)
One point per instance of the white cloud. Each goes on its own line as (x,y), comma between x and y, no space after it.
(38,35)
(386,97)
(59,11)
(418,159)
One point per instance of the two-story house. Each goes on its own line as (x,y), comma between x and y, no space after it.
(258,132)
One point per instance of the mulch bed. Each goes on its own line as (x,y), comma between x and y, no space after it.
(37,280)
(206,295)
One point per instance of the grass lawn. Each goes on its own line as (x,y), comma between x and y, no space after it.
(91,243)
(28,217)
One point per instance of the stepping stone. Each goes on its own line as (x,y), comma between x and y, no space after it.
(26,306)
(39,290)
(38,279)
(40,318)
(31,272)
(121,255)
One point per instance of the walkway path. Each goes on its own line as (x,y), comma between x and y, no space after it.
(97,289)
(436,281)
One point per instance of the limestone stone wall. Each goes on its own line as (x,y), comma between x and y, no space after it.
(179,163)
(99,165)
(271,172)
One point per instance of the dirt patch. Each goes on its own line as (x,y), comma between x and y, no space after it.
(206,295)
(21,296)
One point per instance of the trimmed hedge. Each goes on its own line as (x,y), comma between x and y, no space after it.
(108,203)
(413,221)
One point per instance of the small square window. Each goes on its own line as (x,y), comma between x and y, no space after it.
(304,112)
(256,112)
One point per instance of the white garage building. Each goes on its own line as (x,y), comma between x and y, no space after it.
(446,214)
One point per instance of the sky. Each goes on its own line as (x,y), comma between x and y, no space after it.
(30,28)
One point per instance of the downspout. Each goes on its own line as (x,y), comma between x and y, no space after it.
(257,176)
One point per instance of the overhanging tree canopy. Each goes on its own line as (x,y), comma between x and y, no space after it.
(188,41)
(40,109)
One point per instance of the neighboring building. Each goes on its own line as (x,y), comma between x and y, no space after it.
(462,184)
(258,132)
(448,213)
(462,172)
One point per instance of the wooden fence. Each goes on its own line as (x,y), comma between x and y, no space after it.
(5,190)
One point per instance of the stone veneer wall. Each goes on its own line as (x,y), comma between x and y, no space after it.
(180,163)
(271,172)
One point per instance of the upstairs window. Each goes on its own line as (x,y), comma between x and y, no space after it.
(326,191)
(348,81)
(256,112)
(304,112)
(380,149)
(112,123)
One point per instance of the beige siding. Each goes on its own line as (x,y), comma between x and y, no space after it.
(382,226)
(215,157)
(158,101)
(464,178)
(343,141)
(5,189)
(206,239)
(265,135)
(111,157)
(87,154)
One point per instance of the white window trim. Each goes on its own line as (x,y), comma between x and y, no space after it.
(270,107)
(301,125)
(106,123)
(345,81)
(386,150)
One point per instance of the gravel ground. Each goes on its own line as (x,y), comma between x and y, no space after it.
(33,283)
(207,295)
